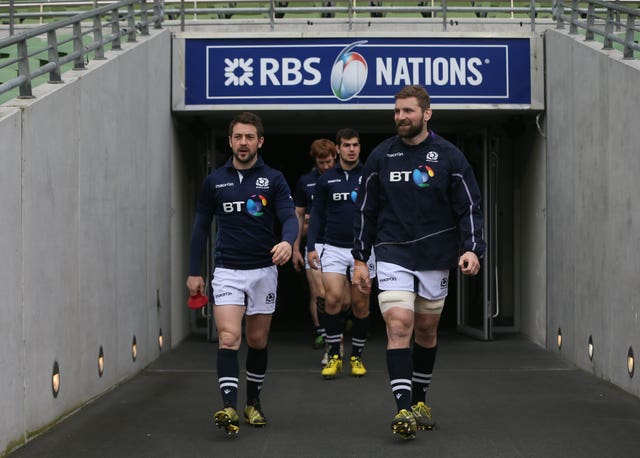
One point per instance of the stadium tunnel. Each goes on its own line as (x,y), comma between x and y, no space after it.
(498,144)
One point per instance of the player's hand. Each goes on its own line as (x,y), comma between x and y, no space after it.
(469,263)
(360,277)
(281,253)
(195,285)
(313,259)
(298,260)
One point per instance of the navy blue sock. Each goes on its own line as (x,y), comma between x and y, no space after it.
(228,372)
(359,335)
(400,368)
(256,369)
(322,316)
(423,362)
(333,325)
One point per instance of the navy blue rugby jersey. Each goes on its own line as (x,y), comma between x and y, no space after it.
(333,207)
(246,204)
(418,206)
(304,190)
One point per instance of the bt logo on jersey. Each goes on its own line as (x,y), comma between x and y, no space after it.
(256,204)
(420,175)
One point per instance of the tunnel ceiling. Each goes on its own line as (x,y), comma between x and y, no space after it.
(279,122)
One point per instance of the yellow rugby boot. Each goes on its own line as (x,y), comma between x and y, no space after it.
(357,368)
(228,420)
(404,425)
(422,414)
(333,367)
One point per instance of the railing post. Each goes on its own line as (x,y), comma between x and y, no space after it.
(158,13)
(558,12)
(52,43)
(11,16)
(78,47)
(182,15)
(97,37)
(608,29)
(350,15)
(272,15)
(131,24)
(444,15)
(115,30)
(573,26)
(144,18)
(532,14)
(591,20)
(23,70)
(628,37)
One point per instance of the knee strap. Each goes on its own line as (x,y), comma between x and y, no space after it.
(433,307)
(402,299)
(320,304)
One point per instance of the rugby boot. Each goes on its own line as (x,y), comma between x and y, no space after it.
(357,368)
(254,416)
(228,420)
(422,414)
(332,368)
(404,425)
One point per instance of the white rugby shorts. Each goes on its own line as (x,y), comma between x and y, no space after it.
(338,260)
(430,284)
(254,288)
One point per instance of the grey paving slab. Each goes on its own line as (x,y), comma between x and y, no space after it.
(505,398)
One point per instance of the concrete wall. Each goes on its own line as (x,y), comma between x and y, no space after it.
(11,332)
(85,198)
(530,225)
(593,166)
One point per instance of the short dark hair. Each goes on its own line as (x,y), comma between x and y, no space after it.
(417,91)
(346,133)
(322,148)
(247,118)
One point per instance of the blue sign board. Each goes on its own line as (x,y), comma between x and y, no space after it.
(356,71)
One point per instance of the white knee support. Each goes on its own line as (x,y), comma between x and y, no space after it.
(402,299)
(428,306)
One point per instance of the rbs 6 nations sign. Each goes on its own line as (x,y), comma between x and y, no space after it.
(347,72)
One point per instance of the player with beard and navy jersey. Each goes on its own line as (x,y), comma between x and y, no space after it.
(323,152)
(331,218)
(419,208)
(246,197)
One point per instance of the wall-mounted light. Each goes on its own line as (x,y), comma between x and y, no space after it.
(55,379)
(100,361)
(134,349)
(559,339)
(160,340)
(630,362)
(590,348)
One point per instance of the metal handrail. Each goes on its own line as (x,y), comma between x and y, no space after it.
(115,14)
(600,18)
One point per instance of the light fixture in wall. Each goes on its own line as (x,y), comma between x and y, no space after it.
(134,349)
(160,339)
(559,339)
(630,362)
(55,379)
(590,348)
(100,362)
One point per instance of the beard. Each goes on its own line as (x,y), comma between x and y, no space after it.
(245,157)
(409,130)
